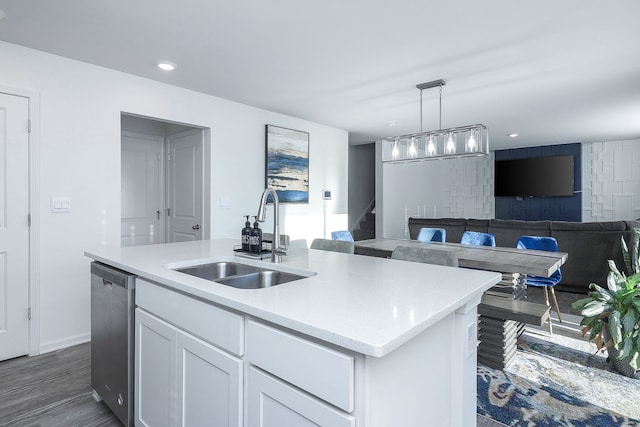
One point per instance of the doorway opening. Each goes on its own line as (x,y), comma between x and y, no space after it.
(165,181)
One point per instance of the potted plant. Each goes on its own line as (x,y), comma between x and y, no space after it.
(612,315)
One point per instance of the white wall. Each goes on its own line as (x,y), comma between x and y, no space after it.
(452,188)
(611,180)
(79,133)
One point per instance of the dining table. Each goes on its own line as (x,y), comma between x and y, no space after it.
(493,258)
(504,309)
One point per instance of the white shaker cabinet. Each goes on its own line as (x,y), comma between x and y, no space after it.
(303,378)
(199,363)
(181,379)
(155,372)
(274,403)
(209,385)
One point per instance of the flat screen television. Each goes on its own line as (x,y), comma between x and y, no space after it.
(534,177)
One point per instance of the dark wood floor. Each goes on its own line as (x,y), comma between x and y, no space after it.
(51,390)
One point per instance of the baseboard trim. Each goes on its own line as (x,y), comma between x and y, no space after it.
(64,343)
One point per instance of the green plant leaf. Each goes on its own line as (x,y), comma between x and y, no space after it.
(602,294)
(635,300)
(612,282)
(614,270)
(589,321)
(625,299)
(627,347)
(614,328)
(595,331)
(579,304)
(634,280)
(625,254)
(595,308)
(633,362)
(629,320)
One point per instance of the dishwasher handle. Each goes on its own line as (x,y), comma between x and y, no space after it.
(113,276)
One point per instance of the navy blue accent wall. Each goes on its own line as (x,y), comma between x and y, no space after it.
(567,208)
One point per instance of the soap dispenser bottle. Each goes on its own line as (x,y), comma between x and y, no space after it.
(246,234)
(255,239)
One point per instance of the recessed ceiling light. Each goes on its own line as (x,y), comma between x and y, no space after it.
(512,135)
(392,124)
(167,65)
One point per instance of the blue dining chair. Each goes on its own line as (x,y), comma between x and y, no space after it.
(432,235)
(548,244)
(342,235)
(477,238)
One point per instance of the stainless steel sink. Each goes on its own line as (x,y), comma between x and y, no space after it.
(218,270)
(239,275)
(261,279)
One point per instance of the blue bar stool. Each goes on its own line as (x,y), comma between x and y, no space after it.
(543,244)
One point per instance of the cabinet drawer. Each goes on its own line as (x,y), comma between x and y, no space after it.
(219,327)
(321,371)
(273,403)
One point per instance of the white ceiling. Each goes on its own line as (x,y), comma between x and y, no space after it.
(553,71)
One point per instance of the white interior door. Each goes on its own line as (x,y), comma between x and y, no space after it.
(14,226)
(142,216)
(185,195)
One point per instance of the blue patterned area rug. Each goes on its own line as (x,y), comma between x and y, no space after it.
(558,381)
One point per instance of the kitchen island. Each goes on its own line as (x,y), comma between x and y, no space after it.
(361,342)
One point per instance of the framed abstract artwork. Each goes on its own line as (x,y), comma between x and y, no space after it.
(287,163)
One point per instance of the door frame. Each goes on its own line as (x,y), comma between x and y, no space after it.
(34,211)
(206,168)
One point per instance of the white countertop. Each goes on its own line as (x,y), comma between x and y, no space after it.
(365,304)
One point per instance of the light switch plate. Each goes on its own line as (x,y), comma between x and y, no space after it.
(60,204)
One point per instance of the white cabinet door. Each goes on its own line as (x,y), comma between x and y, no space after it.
(155,383)
(209,385)
(272,403)
(183,381)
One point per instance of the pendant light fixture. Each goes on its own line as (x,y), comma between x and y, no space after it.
(436,144)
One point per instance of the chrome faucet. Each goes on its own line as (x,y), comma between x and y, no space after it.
(277,251)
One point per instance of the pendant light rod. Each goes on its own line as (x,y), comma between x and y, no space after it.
(420,110)
(428,85)
(440,115)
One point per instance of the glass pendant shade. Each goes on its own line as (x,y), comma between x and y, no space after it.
(471,144)
(450,144)
(395,151)
(431,146)
(462,141)
(412,150)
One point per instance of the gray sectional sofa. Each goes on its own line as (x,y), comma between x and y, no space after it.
(589,244)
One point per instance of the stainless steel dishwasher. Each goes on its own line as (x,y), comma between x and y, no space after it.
(112,339)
